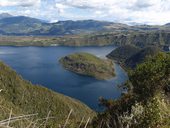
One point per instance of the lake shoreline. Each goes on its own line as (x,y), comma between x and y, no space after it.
(43,41)
(40,66)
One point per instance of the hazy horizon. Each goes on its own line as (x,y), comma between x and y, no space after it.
(151,12)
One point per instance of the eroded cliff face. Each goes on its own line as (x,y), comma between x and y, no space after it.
(140,39)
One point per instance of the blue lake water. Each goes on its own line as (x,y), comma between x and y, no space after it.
(40,66)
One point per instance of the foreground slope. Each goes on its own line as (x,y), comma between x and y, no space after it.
(145,103)
(24,98)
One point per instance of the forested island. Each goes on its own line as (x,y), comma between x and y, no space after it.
(90,65)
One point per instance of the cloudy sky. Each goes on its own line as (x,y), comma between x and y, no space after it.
(124,11)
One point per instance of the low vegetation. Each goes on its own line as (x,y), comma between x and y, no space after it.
(145,103)
(88,64)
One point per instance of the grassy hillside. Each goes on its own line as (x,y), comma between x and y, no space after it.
(24,98)
(88,64)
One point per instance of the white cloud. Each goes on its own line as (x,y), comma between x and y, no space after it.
(22,3)
(61,7)
(142,11)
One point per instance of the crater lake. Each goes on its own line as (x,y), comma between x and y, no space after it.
(41,66)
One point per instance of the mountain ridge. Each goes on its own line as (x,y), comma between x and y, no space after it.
(23,25)
(5,15)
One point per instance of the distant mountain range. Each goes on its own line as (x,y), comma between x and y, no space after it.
(5,15)
(168,24)
(22,25)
